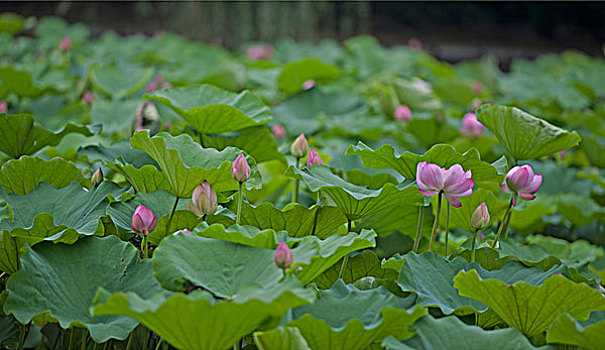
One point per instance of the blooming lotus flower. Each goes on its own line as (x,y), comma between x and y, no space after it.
(308,84)
(65,44)
(283,256)
(522,182)
(143,220)
(299,147)
(88,97)
(404,113)
(204,200)
(471,126)
(3,107)
(97,177)
(240,170)
(260,52)
(452,183)
(314,158)
(480,218)
(477,87)
(278,131)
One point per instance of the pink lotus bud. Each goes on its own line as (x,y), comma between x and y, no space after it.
(168,125)
(260,52)
(151,87)
(240,170)
(143,220)
(314,158)
(3,107)
(562,154)
(97,177)
(477,87)
(522,182)
(308,84)
(88,97)
(278,131)
(184,231)
(65,44)
(159,79)
(415,43)
(452,183)
(299,147)
(482,236)
(283,256)
(471,126)
(204,200)
(480,218)
(404,113)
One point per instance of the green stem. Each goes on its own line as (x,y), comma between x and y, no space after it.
(144,247)
(71,339)
(84,337)
(447,227)
(473,245)
(240,199)
(507,224)
(21,337)
(176,202)
(157,347)
(296,184)
(503,223)
(345,260)
(17,252)
(237,345)
(435,223)
(147,338)
(129,344)
(201,137)
(418,229)
(95,346)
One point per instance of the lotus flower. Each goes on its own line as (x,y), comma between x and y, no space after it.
(278,131)
(299,147)
(3,107)
(480,218)
(143,220)
(522,182)
(185,231)
(415,44)
(260,52)
(151,87)
(404,113)
(314,158)
(453,182)
(65,44)
(240,170)
(477,87)
(204,200)
(471,126)
(88,97)
(308,84)
(283,256)
(97,177)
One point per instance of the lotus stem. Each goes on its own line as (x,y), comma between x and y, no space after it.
(418,229)
(345,260)
(71,339)
(240,199)
(296,184)
(21,337)
(435,229)
(129,344)
(157,347)
(447,227)
(176,202)
(84,338)
(144,247)
(473,245)
(503,223)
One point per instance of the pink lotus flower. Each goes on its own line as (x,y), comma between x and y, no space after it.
(404,113)
(97,177)
(260,52)
(415,43)
(3,107)
(278,131)
(204,200)
(300,146)
(452,183)
(477,87)
(480,217)
(88,97)
(308,84)
(143,220)
(283,256)
(240,170)
(562,154)
(184,231)
(522,182)
(314,158)
(151,87)
(65,44)
(471,126)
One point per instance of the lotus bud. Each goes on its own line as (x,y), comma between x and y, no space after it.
(240,170)
(477,87)
(184,231)
(88,97)
(522,182)
(65,44)
(471,126)
(314,158)
(404,113)
(204,200)
(308,84)
(3,107)
(278,131)
(97,177)
(480,218)
(260,52)
(151,87)
(283,256)
(415,44)
(299,147)
(143,220)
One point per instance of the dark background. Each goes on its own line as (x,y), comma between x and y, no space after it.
(450,30)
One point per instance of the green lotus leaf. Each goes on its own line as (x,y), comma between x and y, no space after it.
(417,94)
(579,209)
(62,280)
(20,135)
(61,215)
(359,266)
(402,219)
(484,174)
(120,82)
(589,334)
(244,234)
(23,175)
(490,259)
(256,141)
(433,334)
(9,253)
(146,179)
(280,338)
(115,115)
(209,109)
(432,278)
(356,202)
(197,321)
(294,74)
(119,151)
(573,254)
(527,307)
(9,330)
(345,317)
(523,135)
(19,82)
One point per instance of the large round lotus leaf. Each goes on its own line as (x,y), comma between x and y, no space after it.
(294,74)
(437,334)
(120,82)
(347,318)
(62,280)
(589,334)
(281,338)
(197,321)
